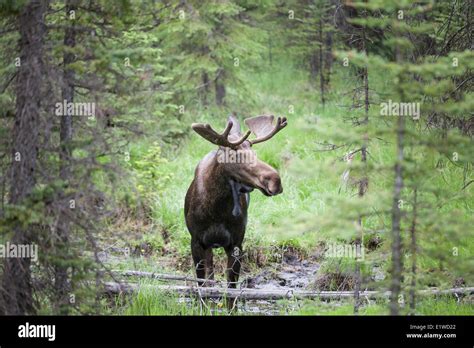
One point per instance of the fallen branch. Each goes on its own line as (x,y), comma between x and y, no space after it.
(112,288)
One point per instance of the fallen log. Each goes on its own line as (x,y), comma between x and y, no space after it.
(263,294)
(163,276)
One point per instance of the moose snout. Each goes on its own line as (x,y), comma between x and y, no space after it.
(273,185)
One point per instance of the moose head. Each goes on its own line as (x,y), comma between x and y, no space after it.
(238,159)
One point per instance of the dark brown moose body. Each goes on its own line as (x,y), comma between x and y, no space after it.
(217,201)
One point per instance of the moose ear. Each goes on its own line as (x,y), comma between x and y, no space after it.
(235,130)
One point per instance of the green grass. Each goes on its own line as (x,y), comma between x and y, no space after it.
(149,302)
(427,306)
(153,303)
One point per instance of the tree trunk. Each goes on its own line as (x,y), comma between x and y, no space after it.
(61,284)
(321,63)
(270,53)
(396,221)
(329,58)
(17,289)
(397,262)
(205,88)
(364,181)
(413,250)
(220,88)
(113,288)
(313,67)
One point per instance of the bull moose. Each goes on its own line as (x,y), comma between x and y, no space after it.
(218,198)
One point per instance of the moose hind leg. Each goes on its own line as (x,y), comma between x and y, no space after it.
(209,264)
(199,260)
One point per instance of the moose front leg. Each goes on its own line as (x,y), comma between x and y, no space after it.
(203,262)
(233,271)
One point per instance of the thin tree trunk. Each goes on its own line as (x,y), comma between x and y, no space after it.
(270,53)
(397,262)
(329,59)
(205,88)
(364,181)
(321,63)
(66,128)
(413,250)
(17,291)
(363,184)
(313,67)
(328,50)
(357,274)
(396,221)
(220,88)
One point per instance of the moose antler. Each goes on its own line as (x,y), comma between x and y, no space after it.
(206,131)
(263,128)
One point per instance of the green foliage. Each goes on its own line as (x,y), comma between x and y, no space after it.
(150,173)
(206,44)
